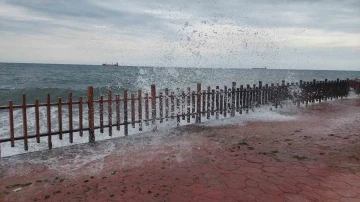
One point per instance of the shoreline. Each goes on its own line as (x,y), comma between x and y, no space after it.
(312,155)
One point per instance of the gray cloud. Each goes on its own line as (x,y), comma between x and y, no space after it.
(168,32)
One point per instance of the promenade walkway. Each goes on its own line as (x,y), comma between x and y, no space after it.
(313,158)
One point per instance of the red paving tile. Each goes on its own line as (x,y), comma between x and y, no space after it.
(298,161)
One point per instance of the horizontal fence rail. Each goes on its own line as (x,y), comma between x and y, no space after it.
(146,109)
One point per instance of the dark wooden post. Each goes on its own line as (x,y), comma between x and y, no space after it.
(208,103)
(212,102)
(117,103)
(325,90)
(277,88)
(166,104)
(332,89)
(161,106)
(126,126)
(101,114)
(70,118)
(217,102)
(147,109)
(91,114)
(301,93)
(153,104)
(37,117)
(11,120)
(241,99)
(198,110)
(48,112)
(237,99)
(140,109)
(282,91)
(178,109)
(225,100)
(133,110)
(256,95)
(81,116)
(266,93)
(188,105)
(347,86)
(24,122)
(247,99)
(251,97)
(221,101)
(172,105)
(193,98)
(260,94)
(203,103)
(59,117)
(110,112)
(183,97)
(232,113)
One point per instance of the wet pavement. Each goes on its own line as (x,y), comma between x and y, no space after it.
(313,158)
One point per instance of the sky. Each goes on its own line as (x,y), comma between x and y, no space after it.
(278,34)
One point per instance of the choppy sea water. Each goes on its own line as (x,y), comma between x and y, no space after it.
(35,80)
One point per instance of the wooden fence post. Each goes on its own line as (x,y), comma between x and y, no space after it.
(233,99)
(146,108)
(241,99)
(217,102)
(81,116)
(117,109)
(172,99)
(326,90)
(101,114)
(132,97)
(225,100)
(167,104)
(212,102)
(153,104)
(59,118)
(37,122)
(247,93)
(178,108)
(126,127)
(208,103)
(277,95)
(193,108)
(198,110)
(11,117)
(91,114)
(110,112)
(188,105)
(70,119)
(183,104)
(140,109)
(260,96)
(347,87)
(161,105)
(203,103)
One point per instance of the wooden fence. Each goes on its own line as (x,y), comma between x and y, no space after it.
(157,107)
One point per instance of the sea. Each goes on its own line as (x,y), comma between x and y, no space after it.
(36,80)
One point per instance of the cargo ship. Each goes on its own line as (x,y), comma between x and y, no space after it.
(106,64)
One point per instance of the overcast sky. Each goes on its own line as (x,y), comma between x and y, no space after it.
(298,34)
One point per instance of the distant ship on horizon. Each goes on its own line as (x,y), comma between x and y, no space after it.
(259,68)
(106,64)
